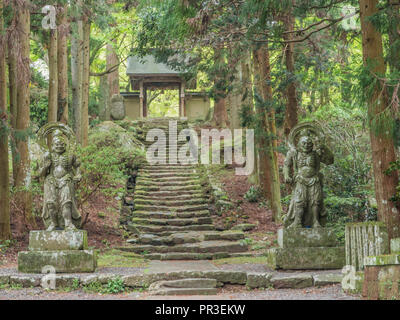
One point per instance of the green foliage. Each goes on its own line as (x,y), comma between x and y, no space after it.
(115,285)
(105,165)
(253,194)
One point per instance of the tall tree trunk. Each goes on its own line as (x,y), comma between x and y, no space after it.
(62,65)
(291,94)
(220,116)
(85,86)
(394,36)
(12,79)
(76,76)
(112,77)
(23,174)
(383,152)
(5,232)
(247,100)
(53,77)
(268,166)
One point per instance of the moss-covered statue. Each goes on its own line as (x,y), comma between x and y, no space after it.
(60,168)
(301,169)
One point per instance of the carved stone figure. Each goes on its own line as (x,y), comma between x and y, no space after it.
(60,169)
(301,169)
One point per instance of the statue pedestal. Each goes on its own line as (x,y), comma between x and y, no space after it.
(66,251)
(303,248)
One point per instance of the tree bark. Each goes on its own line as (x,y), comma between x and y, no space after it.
(76,76)
(220,116)
(113,77)
(291,94)
(85,85)
(23,173)
(5,231)
(62,66)
(12,79)
(53,77)
(394,36)
(382,145)
(268,167)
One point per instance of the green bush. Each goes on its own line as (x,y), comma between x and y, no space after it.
(105,165)
(253,194)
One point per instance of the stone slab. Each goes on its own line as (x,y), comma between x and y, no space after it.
(327,279)
(395,245)
(184,291)
(306,237)
(63,261)
(176,266)
(292,281)
(316,258)
(258,280)
(184,283)
(58,240)
(24,281)
(385,259)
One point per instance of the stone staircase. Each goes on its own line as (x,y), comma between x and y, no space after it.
(170,217)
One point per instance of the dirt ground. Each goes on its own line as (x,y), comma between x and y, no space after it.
(333,292)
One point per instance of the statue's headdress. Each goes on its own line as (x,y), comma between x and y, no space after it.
(57,130)
(305,129)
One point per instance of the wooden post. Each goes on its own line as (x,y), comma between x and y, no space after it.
(182,109)
(141,99)
(145,102)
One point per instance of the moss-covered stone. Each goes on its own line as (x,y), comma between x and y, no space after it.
(385,259)
(306,237)
(306,258)
(258,280)
(58,240)
(24,281)
(292,281)
(327,279)
(63,261)
(144,280)
(395,245)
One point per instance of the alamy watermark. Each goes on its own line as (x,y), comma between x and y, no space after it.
(188,151)
(49,21)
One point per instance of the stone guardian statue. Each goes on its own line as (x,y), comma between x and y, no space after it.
(60,169)
(302,170)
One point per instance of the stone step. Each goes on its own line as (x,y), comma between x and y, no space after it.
(166,193)
(170,166)
(159,229)
(169,240)
(191,286)
(163,175)
(187,256)
(172,222)
(189,188)
(142,182)
(164,180)
(185,237)
(143,207)
(197,247)
(170,203)
(150,196)
(169,215)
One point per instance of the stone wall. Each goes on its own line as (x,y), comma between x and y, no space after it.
(197,106)
(132,106)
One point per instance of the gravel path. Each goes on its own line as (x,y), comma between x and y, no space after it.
(333,292)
